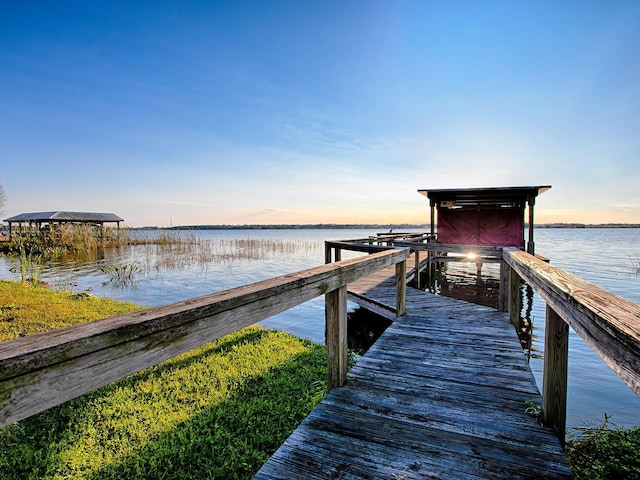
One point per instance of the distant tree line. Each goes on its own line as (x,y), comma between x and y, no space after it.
(397,228)
(314,226)
(588,225)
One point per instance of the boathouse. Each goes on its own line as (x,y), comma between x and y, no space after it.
(483,216)
(42,220)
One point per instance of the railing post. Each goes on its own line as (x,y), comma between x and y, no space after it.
(338,254)
(417,270)
(327,253)
(401,288)
(515,305)
(336,318)
(503,293)
(554,377)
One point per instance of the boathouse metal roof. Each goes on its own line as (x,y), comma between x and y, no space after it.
(472,197)
(62,217)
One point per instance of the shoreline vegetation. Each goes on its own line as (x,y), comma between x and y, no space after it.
(165,250)
(90,237)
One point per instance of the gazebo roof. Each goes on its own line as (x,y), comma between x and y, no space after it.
(60,216)
(468,197)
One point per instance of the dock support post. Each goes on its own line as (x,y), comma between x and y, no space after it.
(401,288)
(336,318)
(503,293)
(531,246)
(554,377)
(515,305)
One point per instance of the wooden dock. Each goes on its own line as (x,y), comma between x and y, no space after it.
(442,394)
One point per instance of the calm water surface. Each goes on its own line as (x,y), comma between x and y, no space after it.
(609,258)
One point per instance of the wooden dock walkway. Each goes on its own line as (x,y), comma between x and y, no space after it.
(442,394)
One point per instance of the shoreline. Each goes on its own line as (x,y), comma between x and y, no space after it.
(356,226)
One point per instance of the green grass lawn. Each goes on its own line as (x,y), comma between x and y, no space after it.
(218,411)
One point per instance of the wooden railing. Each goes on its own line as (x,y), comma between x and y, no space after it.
(372,246)
(40,371)
(609,324)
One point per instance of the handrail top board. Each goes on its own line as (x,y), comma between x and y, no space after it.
(608,323)
(617,310)
(358,246)
(58,345)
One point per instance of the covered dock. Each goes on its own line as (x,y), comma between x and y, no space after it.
(43,221)
(483,216)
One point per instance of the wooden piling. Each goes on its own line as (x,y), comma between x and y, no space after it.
(554,381)
(503,295)
(401,288)
(336,318)
(515,305)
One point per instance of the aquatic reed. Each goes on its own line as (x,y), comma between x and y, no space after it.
(122,275)
(29,266)
(203,252)
(154,251)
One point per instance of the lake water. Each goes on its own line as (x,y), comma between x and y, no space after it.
(608,258)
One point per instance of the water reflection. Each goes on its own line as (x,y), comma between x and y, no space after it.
(363,329)
(475,283)
(524,327)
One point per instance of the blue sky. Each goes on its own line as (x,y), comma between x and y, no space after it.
(210,112)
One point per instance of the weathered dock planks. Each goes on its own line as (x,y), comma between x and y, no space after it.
(442,394)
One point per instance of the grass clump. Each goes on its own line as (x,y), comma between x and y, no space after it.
(602,453)
(218,411)
(123,274)
(27,310)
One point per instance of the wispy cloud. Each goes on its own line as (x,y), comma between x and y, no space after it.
(189,204)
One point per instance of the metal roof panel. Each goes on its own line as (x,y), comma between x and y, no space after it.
(63,216)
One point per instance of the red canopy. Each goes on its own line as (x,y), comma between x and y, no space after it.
(500,228)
